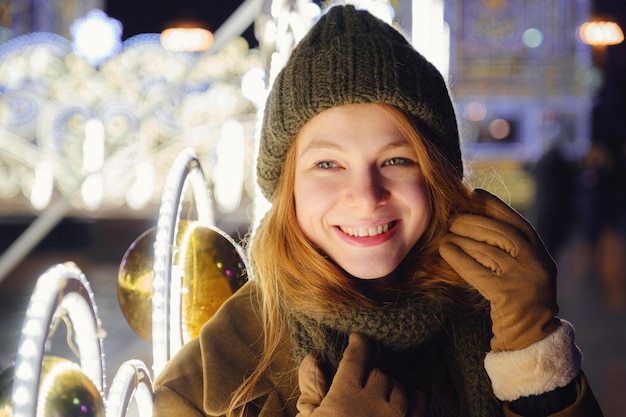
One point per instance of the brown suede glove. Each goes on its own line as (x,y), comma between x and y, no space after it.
(501,255)
(356,390)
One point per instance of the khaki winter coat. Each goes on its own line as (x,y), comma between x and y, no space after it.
(201,377)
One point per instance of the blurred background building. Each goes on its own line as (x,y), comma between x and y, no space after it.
(98,97)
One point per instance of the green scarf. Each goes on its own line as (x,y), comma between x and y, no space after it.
(405,327)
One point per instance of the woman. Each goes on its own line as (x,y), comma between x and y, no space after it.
(381,279)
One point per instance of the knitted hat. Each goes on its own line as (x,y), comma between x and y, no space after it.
(350,56)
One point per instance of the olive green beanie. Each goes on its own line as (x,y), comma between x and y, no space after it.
(350,56)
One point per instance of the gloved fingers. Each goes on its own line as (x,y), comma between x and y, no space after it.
(473,260)
(490,231)
(499,210)
(381,388)
(391,390)
(311,380)
(501,235)
(353,365)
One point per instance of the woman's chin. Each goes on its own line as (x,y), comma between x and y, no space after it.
(382,276)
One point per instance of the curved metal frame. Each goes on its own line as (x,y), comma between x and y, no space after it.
(132,380)
(61,287)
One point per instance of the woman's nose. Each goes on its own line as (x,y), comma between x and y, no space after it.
(366,190)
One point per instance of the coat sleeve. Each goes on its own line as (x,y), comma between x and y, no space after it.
(584,406)
(201,377)
(178,389)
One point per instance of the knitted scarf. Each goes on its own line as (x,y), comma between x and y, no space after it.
(407,326)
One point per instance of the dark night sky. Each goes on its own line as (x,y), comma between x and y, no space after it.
(151,16)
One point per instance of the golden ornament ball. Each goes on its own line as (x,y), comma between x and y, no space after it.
(64,390)
(212,266)
(213,269)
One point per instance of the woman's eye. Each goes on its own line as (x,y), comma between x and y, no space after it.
(326,165)
(399,161)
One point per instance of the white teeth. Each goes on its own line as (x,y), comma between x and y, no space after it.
(366,231)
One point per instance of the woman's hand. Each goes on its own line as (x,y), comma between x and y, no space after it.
(501,255)
(356,390)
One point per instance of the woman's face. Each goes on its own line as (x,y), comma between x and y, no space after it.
(360,194)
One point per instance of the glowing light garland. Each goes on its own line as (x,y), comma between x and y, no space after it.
(166,284)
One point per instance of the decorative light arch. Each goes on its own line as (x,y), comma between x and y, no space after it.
(62,289)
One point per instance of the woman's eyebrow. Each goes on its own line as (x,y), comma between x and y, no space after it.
(400,143)
(326,144)
(321,144)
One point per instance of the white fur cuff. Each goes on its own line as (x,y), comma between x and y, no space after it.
(541,367)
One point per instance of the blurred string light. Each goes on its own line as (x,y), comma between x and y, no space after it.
(93,146)
(43,185)
(186,36)
(430,34)
(601,33)
(532,38)
(143,187)
(499,128)
(96,36)
(229,170)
